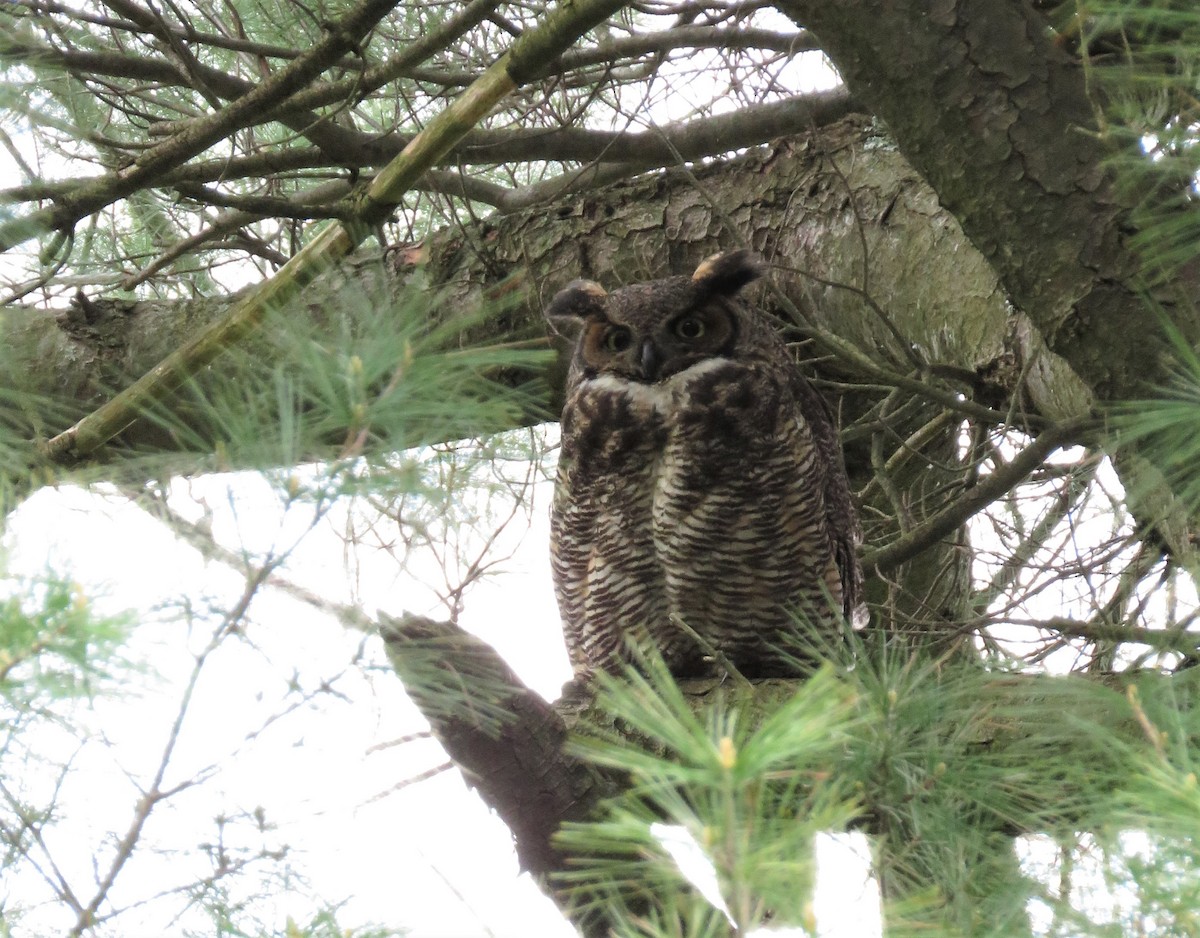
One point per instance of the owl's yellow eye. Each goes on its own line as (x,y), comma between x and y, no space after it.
(689,328)
(617,339)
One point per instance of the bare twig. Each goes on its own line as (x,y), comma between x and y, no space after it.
(155,793)
(975,499)
(91,196)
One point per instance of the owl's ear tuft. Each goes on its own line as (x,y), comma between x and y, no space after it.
(573,305)
(725,274)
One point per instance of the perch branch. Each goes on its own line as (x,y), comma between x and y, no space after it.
(505,738)
(1006,722)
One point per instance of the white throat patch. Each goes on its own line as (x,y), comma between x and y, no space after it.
(662,395)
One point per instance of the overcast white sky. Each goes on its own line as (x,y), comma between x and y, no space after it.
(315,772)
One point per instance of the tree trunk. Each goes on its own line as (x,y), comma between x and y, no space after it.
(1000,121)
(839,213)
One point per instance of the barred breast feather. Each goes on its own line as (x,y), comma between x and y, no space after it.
(698,510)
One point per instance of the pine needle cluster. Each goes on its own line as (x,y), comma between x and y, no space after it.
(971,785)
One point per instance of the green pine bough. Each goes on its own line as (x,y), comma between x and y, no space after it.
(531,55)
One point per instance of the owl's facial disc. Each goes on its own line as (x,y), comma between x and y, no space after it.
(651,348)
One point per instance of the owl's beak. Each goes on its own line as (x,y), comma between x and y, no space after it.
(650,360)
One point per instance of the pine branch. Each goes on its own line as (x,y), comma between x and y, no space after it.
(150,165)
(687,37)
(618,155)
(224,224)
(528,58)
(1179,641)
(333,143)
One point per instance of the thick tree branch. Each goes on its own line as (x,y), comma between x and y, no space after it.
(784,200)
(623,155)
(516,762)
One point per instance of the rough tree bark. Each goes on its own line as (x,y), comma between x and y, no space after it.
(999,120)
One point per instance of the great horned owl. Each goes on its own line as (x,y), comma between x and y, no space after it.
(701,497)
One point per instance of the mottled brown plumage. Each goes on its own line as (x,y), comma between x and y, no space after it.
(701,498)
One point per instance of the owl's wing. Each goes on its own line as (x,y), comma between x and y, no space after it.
(573,558)
(845,534)
(607,579)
